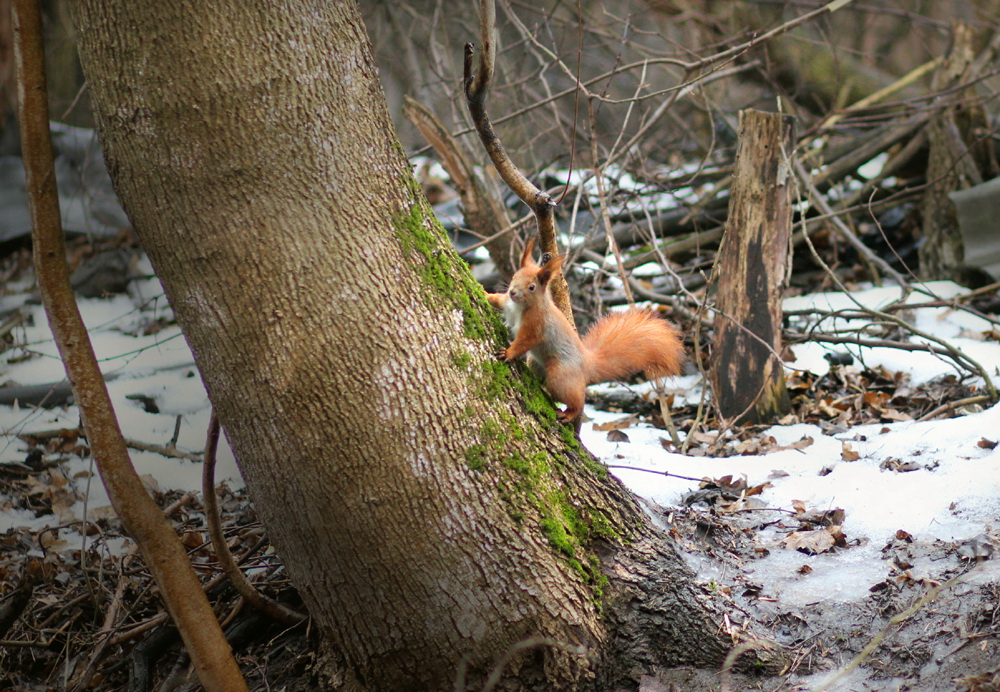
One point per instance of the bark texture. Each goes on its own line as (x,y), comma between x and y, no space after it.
(950,164)
(426,505)
(748,379)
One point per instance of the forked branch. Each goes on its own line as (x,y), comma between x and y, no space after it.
(477,88)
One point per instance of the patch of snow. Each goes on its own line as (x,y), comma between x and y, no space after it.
(958,499)
(962,330)
(873,168)
(158,367)
(954,496)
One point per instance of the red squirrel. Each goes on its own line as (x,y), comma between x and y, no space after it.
(618,346)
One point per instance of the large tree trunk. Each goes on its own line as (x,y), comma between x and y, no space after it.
(426,505)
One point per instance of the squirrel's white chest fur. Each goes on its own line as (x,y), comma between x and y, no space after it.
(556,343)
(512,315)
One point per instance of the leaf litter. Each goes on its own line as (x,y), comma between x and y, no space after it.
(823,526)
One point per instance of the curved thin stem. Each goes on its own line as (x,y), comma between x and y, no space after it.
(248,591)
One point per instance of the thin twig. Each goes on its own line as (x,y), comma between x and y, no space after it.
(659,473)
(946,348)
(898,619)
(108,627)
(576,100)
(846,233)
(168,451)
(952,405)
(603,210)
(684,65)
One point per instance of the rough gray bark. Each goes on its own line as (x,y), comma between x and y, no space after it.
(427,507)
(950,165)
(748,380)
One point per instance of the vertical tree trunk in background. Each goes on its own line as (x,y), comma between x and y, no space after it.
(427,507)
(8,84)
(747,376)
(950,166)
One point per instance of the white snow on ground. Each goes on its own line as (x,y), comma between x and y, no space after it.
(958,499)
(955,501)
(961,329)
(159,366)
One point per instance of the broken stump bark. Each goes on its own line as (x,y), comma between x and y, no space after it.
(750,270)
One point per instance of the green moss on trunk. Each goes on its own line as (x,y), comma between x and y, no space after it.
(530,483)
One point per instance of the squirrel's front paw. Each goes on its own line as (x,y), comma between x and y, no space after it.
(502,356)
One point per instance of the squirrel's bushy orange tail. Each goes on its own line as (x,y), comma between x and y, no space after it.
(624,343)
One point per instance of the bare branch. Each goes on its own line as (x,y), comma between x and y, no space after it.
(846,233)
(477,88)
(484,214)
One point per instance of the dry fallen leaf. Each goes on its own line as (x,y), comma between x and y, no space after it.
(758,489)
(617,424)
(704,438)
(900,466)
(847,453)
(821,517)
(806,441)
(811,542)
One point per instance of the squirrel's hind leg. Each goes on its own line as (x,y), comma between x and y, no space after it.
(568,386)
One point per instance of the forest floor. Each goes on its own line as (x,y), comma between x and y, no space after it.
(866,520)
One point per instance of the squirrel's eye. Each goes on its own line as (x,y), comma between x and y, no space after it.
(531,287)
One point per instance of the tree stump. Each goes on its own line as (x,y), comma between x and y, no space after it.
(750,270)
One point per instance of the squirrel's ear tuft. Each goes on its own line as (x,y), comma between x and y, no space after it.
(526,255)
(550,269)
